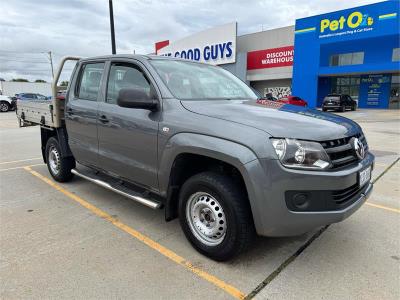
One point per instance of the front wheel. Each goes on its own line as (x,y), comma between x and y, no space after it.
(4,106)
(59,167)
(215,215)
(342,108)
(354,107)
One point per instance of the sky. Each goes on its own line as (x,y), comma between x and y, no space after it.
(31,28)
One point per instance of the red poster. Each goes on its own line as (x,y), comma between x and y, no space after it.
(270,58)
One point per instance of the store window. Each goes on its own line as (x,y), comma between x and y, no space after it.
(346,85)
(396,54)
(345,59)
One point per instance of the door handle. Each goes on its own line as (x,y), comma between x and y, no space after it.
(103,119)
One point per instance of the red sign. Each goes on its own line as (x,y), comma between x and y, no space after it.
(160,45)
(270,58)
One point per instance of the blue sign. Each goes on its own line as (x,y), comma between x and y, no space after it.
(374,91)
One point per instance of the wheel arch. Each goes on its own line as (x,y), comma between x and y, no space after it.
(188,154)
(62,137)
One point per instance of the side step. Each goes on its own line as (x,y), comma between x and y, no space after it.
(117,187)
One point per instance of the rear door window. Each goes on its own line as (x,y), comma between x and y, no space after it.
(89,81)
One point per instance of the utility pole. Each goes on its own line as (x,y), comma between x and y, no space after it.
(50,58)
(110,4)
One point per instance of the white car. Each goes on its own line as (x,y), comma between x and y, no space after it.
(6,103)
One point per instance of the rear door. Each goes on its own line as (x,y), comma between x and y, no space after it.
(81,113)
(128,136)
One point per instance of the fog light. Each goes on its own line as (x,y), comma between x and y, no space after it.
(301,201)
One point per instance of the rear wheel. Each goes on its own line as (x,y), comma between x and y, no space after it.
(215,215)
(4,106)
(324,109)
(59,167)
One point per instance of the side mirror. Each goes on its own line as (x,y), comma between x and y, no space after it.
(136,98)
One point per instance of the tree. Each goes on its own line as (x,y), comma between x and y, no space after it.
(64,83)
(40,80)
(20,80)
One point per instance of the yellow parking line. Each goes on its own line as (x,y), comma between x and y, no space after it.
(146,240)
(21,160)
(16,168)
(383,207)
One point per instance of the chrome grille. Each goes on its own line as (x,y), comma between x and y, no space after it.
(341,152)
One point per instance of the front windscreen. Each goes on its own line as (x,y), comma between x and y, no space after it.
(194,81)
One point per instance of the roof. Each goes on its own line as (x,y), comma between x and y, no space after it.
(132,56)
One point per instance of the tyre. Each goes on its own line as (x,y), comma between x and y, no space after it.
(215,216)
(324,109)
(342,108)
(4,106)
(353,108)
(59,167)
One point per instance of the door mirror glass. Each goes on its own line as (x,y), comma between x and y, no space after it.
(136,98)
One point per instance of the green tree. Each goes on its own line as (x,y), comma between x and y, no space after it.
(64,83)
(20,80)
(40,80)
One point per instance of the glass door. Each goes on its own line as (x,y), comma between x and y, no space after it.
(394,100)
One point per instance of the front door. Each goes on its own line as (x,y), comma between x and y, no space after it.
(128,136)
(81,114)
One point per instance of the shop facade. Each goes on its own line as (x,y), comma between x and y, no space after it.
(354,52)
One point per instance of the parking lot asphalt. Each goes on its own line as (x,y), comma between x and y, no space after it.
(78,240)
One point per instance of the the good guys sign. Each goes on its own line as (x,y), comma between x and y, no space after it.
(216,46)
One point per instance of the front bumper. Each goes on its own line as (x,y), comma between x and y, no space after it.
(13,105)
(268,181)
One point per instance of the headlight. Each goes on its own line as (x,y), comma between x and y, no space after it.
(301,154)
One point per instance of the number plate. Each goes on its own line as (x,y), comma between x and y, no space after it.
(364,176)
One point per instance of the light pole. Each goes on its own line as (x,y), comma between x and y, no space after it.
(110,4)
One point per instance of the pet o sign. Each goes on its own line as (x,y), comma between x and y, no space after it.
(215,46)
(270,58)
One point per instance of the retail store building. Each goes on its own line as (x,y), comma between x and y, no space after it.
(353,51)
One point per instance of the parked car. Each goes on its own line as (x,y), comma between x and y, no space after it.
(293,100)
(197,141)
(30,96)
(339,102)
(6,103)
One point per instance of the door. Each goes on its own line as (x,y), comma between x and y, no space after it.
(81,113)
(128,136)
(394,100)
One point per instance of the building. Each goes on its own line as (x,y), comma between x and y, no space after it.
(353,51)
(269,65)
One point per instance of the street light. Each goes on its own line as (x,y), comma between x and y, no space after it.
(110,4)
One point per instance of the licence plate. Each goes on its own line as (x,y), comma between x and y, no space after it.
(364,176)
